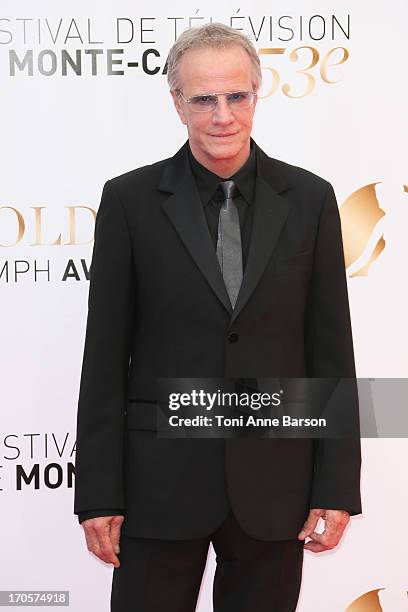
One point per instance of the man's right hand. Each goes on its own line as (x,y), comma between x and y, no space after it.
(102,536)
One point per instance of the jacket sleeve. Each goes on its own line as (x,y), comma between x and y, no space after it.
(329,354)
(83,516)
(104,376)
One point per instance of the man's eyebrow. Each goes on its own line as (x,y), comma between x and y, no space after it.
(217,93)
(208,93)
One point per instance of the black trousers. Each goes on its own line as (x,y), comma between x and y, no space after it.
(165,575)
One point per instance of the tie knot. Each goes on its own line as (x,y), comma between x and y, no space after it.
(228,189)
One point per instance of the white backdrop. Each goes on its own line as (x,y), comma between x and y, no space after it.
(64,135)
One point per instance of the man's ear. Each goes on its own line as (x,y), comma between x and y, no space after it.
(178,105)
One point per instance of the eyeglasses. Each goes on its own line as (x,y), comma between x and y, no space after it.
(206,103)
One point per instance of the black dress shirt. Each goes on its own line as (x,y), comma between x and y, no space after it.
(212,197)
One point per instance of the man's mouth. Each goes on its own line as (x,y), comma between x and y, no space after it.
(224,135)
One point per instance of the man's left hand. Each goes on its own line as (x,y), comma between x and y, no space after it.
(335,523)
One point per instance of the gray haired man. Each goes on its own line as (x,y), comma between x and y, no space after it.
(217,262)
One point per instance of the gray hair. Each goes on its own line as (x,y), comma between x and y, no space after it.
(215,36)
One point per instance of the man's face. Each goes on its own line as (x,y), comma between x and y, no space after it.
(221,134)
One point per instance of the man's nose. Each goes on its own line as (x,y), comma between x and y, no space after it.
(222,112)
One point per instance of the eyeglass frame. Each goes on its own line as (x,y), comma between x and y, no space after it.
(226,93)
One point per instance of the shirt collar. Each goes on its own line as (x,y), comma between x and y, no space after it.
(207,181)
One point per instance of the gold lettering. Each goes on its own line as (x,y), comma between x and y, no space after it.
(38,228)
(72,210)
(325,63)
(21,226)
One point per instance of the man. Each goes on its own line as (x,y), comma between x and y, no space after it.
(217,262)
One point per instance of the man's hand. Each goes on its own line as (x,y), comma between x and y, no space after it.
(335,523)
(102,537)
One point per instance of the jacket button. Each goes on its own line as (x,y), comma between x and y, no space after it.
(233,337)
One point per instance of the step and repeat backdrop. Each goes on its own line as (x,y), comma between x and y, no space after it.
(83,98)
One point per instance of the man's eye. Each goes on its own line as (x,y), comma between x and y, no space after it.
(238,96)
(202,100)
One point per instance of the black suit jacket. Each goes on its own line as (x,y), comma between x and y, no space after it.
(158,307)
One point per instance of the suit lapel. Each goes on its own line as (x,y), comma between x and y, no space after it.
(270,213)
(186,213)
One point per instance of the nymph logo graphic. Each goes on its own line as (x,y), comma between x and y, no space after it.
(379,600)
(370,218)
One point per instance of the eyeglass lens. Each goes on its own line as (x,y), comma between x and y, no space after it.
(238,99)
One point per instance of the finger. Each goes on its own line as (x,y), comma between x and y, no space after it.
(115,534)
(315,547)
(325,539)
(308,528)
(106,549)
(92,541)
(96,534)
(310,524)
(334,528)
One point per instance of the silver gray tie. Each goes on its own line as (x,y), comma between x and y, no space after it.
(229,249)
